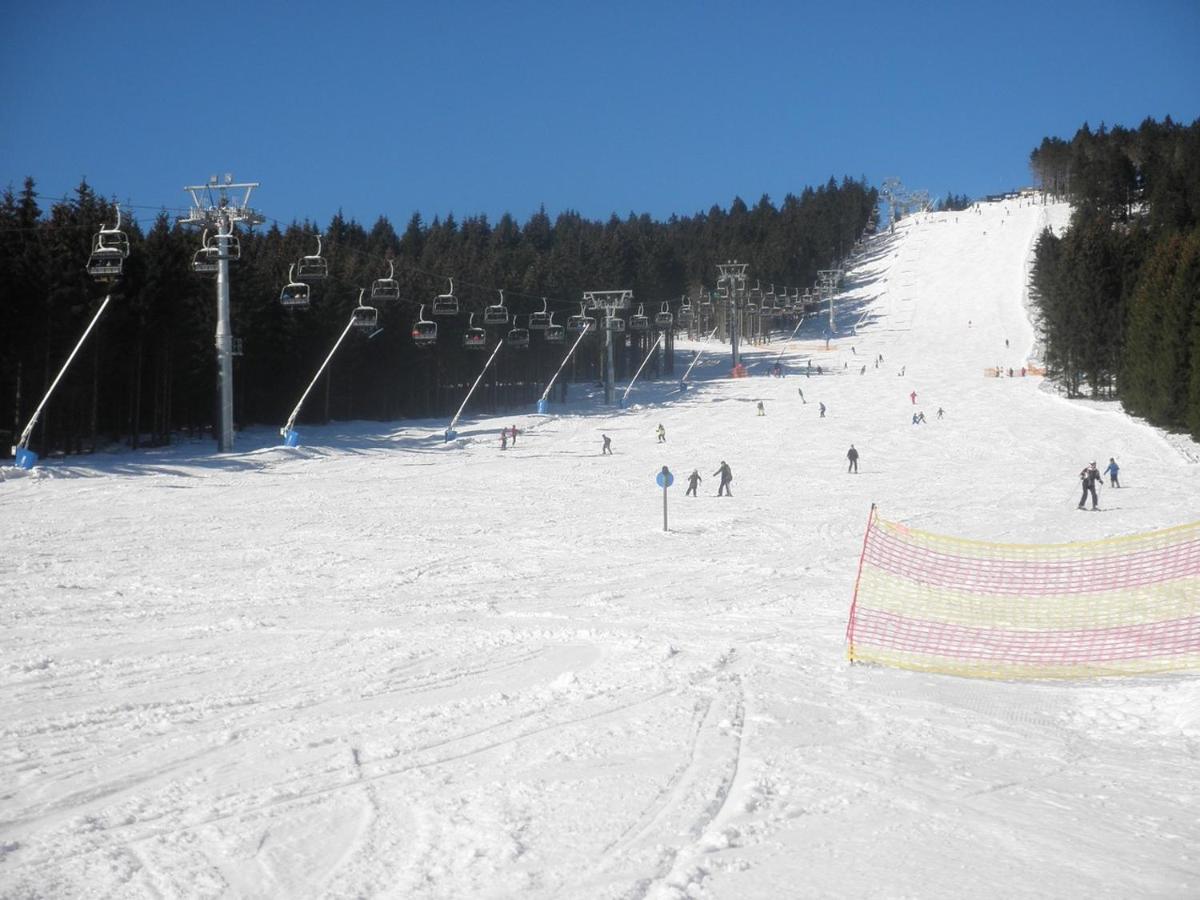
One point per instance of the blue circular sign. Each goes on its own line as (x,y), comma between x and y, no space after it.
(664,479)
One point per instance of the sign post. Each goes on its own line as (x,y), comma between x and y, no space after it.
(665,479)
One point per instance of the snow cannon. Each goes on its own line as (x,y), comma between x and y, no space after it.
(291,438)
(683,387)
(543,407)
(25,458)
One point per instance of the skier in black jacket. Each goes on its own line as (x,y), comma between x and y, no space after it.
(1088,478)
(726,477)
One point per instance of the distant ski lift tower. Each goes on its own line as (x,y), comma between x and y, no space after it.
(733,278)
(218,206)
(896,194)
(827,280)
(610,302)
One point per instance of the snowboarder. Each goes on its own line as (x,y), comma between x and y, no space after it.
(726,477)
(662,433)
(503,438)
(1111,471)
(852,455)
(822,410)
(606,450)
(761,411)
(913,397)
(1088,478)
(693,480)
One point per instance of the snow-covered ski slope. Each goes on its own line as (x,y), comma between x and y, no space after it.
(379,665)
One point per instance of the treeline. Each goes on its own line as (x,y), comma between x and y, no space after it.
(1119,291)
(148,371)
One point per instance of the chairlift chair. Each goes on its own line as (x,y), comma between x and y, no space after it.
(206,260)
(540,321)
(581,322)
(364,316)
(518,338)
(233,247)
(664,319)
(113,238)
(384,289)
(105,264)
(639,321)
(497,313)
(474,338)
(446,304)
(424,331)
(314,266)
(295,293)
(554,334)
(614,323)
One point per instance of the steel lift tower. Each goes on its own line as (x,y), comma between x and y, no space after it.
(733,279)
(610,302)
(218,206)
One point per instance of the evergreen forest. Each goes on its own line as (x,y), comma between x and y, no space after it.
(147,374)
(1119,291)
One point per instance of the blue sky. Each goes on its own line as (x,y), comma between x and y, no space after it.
(463,107)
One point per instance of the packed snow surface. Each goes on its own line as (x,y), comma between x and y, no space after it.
(383,665)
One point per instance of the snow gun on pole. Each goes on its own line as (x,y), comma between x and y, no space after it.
(629,387)
(290,437)
(26,458)
(543,404)
(683,380)
(451,434)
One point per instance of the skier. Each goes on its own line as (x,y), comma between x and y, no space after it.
(693,480)
(1088,478)
(852,455)
(1006,343)
(1111,471)
(822,410)
(802,400)
(915,419)
(513,435)
(606,450)
(913,397)
(862,371)
(761,411)
(921,418)
(662,433)
(726,477)
(503,438)
(941,412)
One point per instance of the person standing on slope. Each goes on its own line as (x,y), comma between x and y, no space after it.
(726,477)
(503,438)
(693,480)
(913,397)
(662,433)
(606,450)
(1088,478)
(761,411)
(1111,471)
(852,455)
(822,405)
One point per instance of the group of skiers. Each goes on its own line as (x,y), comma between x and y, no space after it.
(1090,476)
(508,435)
(723,489)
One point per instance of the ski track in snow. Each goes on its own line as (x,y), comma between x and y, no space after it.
(381,665)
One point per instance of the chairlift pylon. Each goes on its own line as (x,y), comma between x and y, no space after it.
(313,267)
(446,304)
(384,289)
(295,294)
(496,313)
(424,331)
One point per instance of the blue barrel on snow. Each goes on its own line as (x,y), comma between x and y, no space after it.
(451,434)
(683,387)
(26,458)
(543,407)
(291,438)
